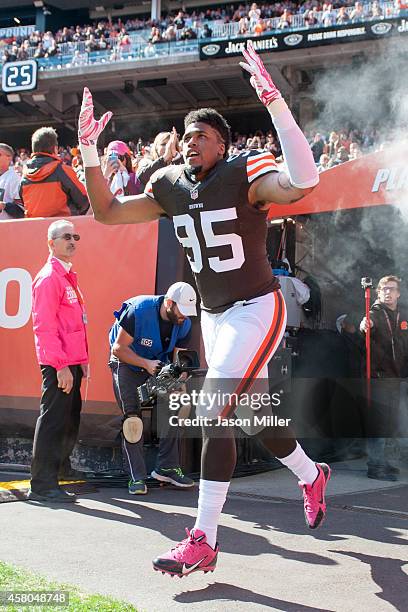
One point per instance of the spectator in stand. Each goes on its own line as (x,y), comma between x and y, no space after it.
(376,11)
(91,44)
(149,50)
(333,144)
(342,17)
(254,15)
(165,151)
(77,164)
(259,27)
(39,52)
(344,140)
(323,163)
(52,51)
(342,156)
(328,16)
(22,53)
(317,147)
(206,31)
(10,203)
(271,144)
(171,33)
(65,36)
(243,26)
(312,18)
(357,14)
(34,38)
(50,188)
(48,40)
(179,21)
(155,36)
(78,35)
(188,34)
(285,20)
(355,151)
(119,172)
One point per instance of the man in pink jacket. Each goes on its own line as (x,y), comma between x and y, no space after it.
(59,322)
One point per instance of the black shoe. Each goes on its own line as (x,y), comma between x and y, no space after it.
(53,496)
(381,473)
(72,474)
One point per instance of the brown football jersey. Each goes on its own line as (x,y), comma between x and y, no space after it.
(223,236)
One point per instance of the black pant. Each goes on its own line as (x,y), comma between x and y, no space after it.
(56,430)
(125,383)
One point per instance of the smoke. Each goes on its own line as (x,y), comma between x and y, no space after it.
(370,92)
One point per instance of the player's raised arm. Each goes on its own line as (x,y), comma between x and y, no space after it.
(106,208)
(303,175)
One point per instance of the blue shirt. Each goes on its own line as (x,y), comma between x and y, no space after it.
(140,317)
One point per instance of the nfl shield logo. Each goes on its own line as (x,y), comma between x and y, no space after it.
(194,194)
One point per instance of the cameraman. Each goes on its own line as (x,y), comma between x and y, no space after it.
(147,331)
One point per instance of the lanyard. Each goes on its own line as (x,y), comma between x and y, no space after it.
(77,291)
(387,318)
(80,299)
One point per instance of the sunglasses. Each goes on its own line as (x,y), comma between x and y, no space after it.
(67,236)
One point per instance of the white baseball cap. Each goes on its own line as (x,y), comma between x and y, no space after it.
(184,296)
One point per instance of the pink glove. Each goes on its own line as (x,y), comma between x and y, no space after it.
(88,127)
(260,79)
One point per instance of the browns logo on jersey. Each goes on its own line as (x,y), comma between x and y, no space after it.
(224,237)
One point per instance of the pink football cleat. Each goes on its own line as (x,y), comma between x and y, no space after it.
(191,555)
(313,497)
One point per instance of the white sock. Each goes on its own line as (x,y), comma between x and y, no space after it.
(210,503)
(301,465)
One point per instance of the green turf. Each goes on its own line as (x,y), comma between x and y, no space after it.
(17,579)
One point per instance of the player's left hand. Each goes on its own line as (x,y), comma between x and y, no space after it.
(260,80)
(90,128)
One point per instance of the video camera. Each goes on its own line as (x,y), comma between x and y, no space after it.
(168,379)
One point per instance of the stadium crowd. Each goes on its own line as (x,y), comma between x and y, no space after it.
(329,149)
(250,19)
(338,146)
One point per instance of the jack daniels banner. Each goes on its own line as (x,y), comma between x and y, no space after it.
(302,39)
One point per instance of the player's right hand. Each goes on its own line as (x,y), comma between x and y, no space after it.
(364,325)
(260,79)
(153,366)
(89,128)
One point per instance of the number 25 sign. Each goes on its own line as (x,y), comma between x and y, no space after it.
(19,76)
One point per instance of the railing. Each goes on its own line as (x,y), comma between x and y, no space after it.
(138,52)
(298,21)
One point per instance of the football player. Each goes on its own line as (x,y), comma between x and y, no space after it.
(219,207)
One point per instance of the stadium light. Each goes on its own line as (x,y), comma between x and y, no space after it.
(17,20)
(38,3)
(14,97)
(39,97)
(99,8)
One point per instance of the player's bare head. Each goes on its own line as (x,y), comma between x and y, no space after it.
(212,118)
